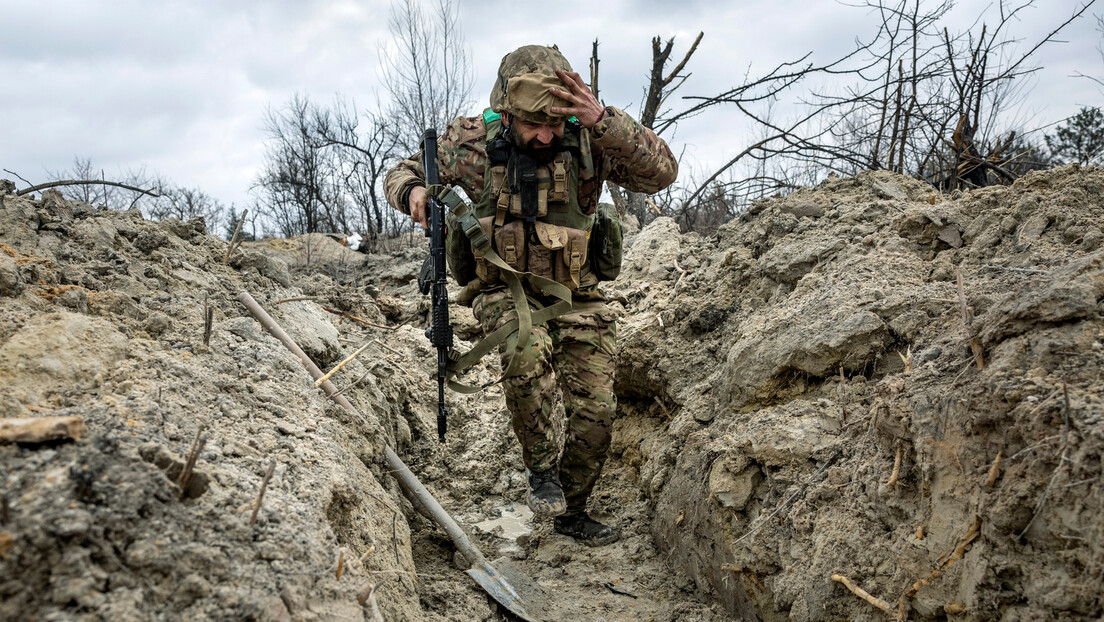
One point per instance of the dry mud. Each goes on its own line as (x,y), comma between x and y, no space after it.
(798,399)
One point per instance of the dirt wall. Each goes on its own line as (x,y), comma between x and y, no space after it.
(811,404)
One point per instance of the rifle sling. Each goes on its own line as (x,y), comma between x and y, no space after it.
(526,317)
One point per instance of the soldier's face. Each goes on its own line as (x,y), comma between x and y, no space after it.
(535,136)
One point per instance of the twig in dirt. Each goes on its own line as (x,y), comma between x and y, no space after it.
(967,318)
(388,348)
(260,495)
(994,472)
(815,476)
(896,467)
(208,321)
(747,574)
(347,360)
(956,555)
(364,558)
(863,594)
(340,563)
(234,241)
(906,358)
(841,397)
(189,466)
(682,273)
(367,598)
(395,534)
(1035,445)
(609,586)
(296,299)
(1062,462)
(1084,481)
(354,383)
(1021,270)
(357,319)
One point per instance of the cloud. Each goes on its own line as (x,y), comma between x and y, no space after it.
(182,87)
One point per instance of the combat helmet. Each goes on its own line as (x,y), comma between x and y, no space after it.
(524,79)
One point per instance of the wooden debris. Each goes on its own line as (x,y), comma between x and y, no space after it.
(7,543)
(208,321)
(967,319)
(994,472)
(296,299)
(340,563)
(367,598)
(358,320)
(896,467)
(260,495)
(193,455)
(955,555)
(364,558)
(863,594)
(42,429)
(348,360)
(234,241)
(906,358)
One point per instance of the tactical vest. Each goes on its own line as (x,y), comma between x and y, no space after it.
(531,213)
(541,240)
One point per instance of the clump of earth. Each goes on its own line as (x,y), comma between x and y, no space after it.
(865,383)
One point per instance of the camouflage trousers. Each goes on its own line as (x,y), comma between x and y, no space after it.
(573,353)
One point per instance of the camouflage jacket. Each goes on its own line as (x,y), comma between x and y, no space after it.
(624,151)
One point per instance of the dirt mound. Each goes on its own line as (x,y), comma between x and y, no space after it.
(806,400)
(800,398)
(102,316)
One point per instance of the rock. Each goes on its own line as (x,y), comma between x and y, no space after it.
(10,282)
(42,429)
(789,262)
(732,490)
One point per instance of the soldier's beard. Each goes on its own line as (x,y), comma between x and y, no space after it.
(539,152)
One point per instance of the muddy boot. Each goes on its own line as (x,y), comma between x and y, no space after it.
(546,497)
(586,530)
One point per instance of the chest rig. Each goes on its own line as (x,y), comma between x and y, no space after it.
(526,231)
(531,210)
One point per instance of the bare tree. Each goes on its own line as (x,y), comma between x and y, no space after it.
(186,203)
(658,90)
(922,102)
(426,69)
(364,149)
(299,182)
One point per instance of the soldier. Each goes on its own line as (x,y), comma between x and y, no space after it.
(533,166)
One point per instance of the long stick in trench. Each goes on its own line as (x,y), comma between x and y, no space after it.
(409,482)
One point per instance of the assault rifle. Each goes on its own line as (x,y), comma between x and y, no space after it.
(433,278)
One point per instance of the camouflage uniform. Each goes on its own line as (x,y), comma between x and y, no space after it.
(575,350)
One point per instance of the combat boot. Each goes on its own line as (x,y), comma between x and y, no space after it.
(546,497)
(585,529)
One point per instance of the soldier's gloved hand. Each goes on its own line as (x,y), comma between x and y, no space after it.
(417,202)
(585,106)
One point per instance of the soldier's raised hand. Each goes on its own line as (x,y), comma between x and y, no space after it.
(585,106)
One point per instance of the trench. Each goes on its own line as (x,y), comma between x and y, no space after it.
(478,478)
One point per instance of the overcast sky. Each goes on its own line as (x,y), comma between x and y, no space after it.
(180,88)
